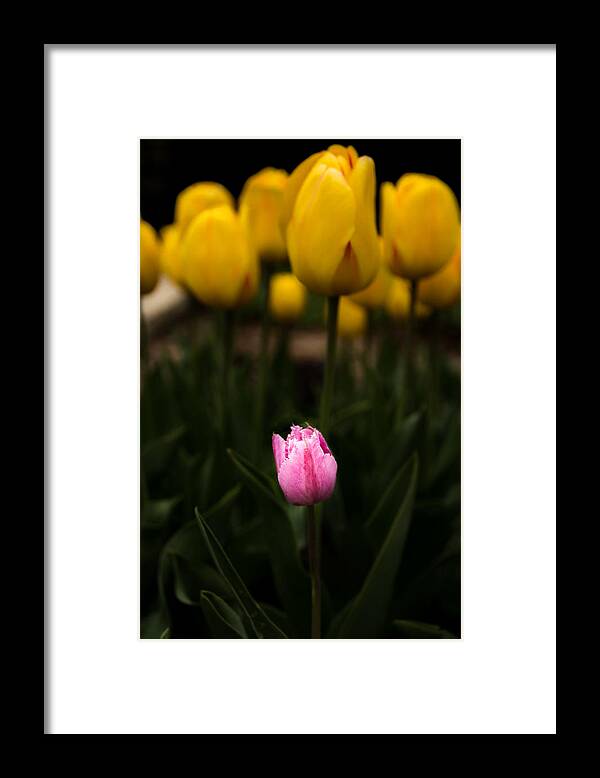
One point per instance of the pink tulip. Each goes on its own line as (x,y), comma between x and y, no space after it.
(306,468)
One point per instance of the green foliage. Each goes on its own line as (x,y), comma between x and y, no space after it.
(222,553)
(291,580)
(261,624)
(222,620)
(365,616)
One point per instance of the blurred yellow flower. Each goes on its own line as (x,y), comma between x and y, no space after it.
(420,225)
(149,265)
(218,263)
(287,297)
(198,198)
(329,219)
(170,253)
(397,303)
(261,203)
(352,319)
(374,296)
(442,289)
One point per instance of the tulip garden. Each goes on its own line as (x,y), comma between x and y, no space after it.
(293,496)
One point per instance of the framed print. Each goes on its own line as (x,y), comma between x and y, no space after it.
(301,447)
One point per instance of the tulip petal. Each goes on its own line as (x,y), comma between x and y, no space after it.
(278,444)
(365,241)
(287,297)
(352,319)
(149,257)
(325,468)
(306,469)
(170,253)
(442,289)
(260,208)
(348,153)
(323,444)
(388,223)
(293,186)
(197,198)
(322,225)
(426,226)
(217,262)
(292,478)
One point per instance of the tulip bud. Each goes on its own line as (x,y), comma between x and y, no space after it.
(261,203)
(329,216)
(442,289)
(420,225)
(352,319)
(198,198)
(149,266)
(397,303)
(375,294)
(306,468)
(170,253)
(287,297)
(218,265)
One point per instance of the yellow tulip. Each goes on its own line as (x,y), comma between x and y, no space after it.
(149,266)
(374,296)
(397,303)
(218,263)
(287,297)
(420,225)
(351,320)
(329,218)
(198,198)
(261,203)
(442,289)
(170,253)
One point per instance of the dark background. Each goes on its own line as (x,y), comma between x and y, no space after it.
(168,166)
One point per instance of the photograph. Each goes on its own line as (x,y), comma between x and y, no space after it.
(300,388)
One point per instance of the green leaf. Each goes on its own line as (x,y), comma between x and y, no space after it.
(418,629)
(157,454)
(185,569)
(258,481)
(261,624)
(225,502)
(222,620)
(152,626)
(191,578)
(440,579)
(409,429)
(401,443)
(188,543)
(366,615)
(350,412)
(449,450)
(378,523)
(156,513)
(176,590)
(278,617)
(291,579)
(166,634)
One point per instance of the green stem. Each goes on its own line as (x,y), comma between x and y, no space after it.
(409,343)
(327,394)
(313,542)
(369,339)
(435,357)
(284,341)
(144,338)
(370,333)
(227,357)
(263,364)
